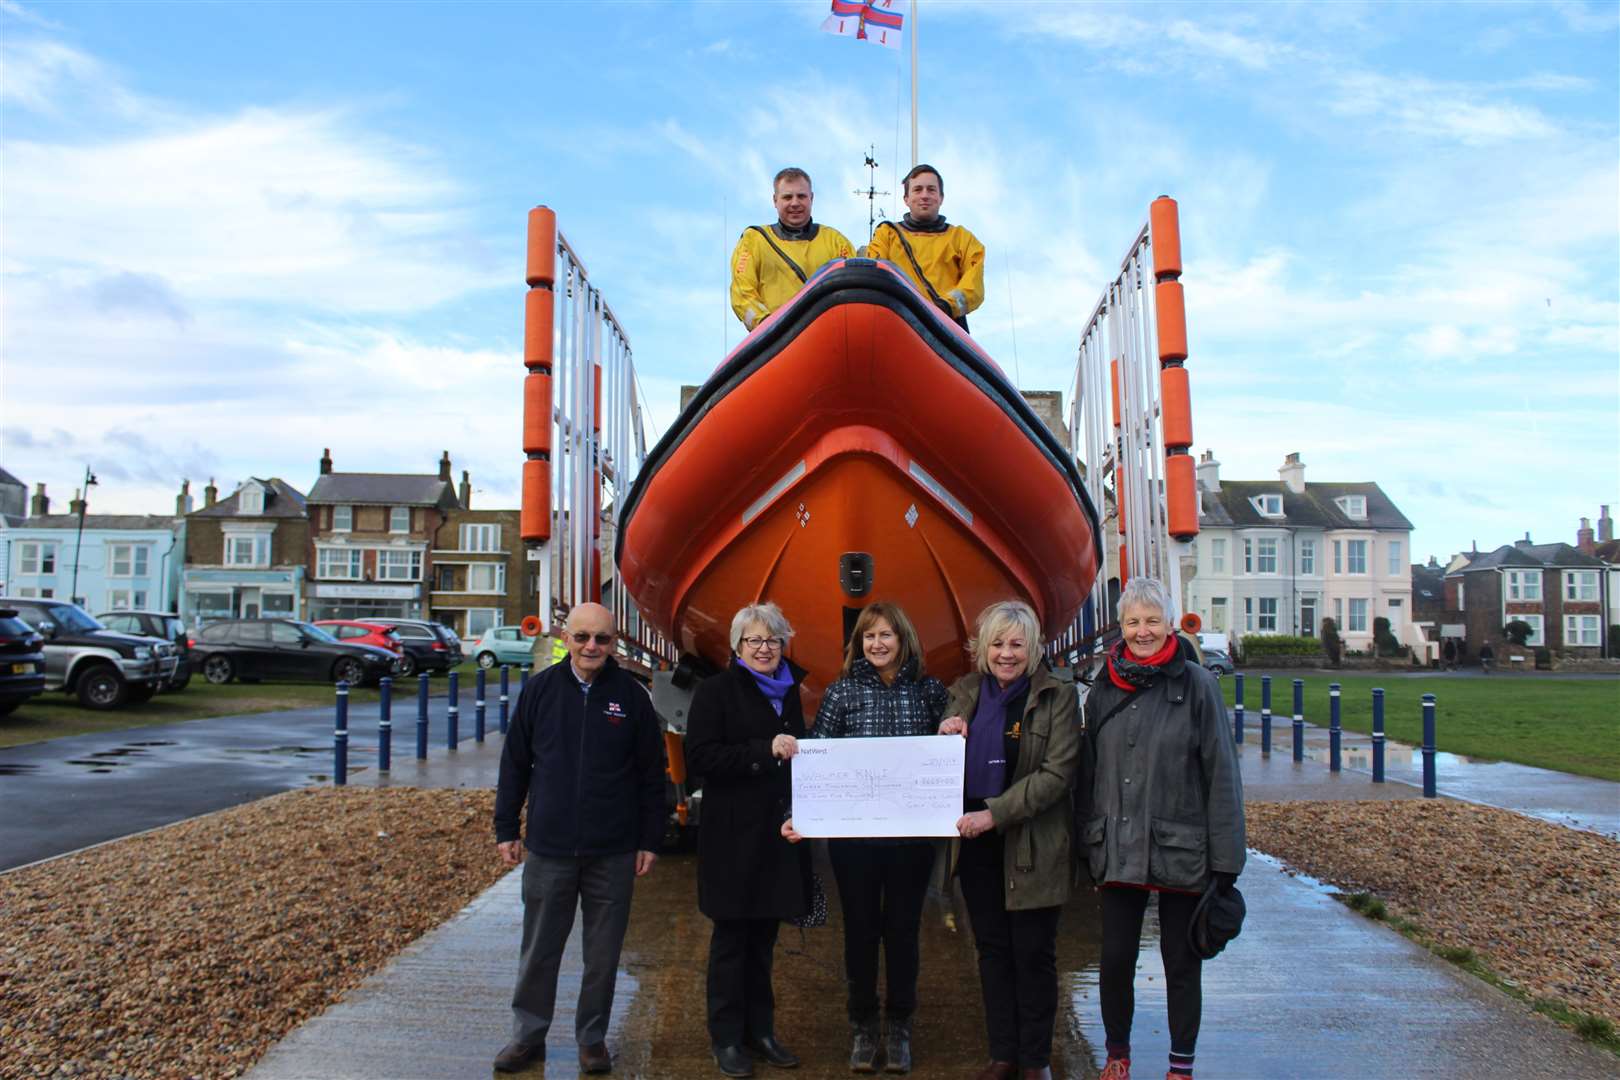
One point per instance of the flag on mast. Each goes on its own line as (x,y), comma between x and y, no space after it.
(867,20)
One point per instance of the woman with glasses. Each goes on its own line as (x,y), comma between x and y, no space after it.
(744,727)
(882,883)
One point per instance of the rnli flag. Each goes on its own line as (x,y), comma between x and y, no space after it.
(867,20)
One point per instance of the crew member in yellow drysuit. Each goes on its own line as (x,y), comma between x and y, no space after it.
(772,262)
(944,261)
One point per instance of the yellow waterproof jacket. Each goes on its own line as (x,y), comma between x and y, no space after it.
(762,281)
(953,260)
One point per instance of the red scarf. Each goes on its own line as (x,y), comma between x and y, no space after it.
(1117,656)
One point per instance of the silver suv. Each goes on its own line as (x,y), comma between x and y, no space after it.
(103,668)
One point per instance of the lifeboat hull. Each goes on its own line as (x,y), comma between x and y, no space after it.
(856,447)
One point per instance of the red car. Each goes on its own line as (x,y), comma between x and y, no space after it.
(364,633)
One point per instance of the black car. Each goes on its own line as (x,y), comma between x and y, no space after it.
(158,624)
(104,668)
(257,649)
(429,646)
(22,662)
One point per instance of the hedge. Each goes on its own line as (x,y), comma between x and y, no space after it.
(1279,645)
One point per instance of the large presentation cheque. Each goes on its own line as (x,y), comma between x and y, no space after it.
(878,787)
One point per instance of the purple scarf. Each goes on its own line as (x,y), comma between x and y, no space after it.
(986,739)
(774,686)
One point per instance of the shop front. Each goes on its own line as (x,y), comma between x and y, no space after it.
(366,601)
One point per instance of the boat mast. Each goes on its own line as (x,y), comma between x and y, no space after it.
(871,192)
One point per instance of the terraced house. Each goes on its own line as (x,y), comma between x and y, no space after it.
(245,554)
(480,575)
(1279,556)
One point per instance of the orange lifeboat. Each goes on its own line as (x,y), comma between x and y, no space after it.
(857,446)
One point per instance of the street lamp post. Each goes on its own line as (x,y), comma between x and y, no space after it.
(78,541)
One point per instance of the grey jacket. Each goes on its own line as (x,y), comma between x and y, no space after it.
(1033,814)
(1160,794)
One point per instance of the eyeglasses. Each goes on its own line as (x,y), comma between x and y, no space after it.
(771,643)
(581,637)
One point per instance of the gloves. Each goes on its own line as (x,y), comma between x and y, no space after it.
(1223,881)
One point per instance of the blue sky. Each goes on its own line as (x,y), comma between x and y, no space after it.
(236,234)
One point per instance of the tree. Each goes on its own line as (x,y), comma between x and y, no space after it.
(1384,641)
(1331,643)
(1518,632)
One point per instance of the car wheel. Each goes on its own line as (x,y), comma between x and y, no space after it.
(180,682)
(102,688)
(218,670)
(349,670)
(405,666)
(142,693)
(486,660)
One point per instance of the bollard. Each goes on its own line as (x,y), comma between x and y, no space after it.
(1299,719)
(340,737)
(421,716)
(1265,715)
(1334,734)
(454,713)
(1237,707)
(1378,736)
(506,670)
(478,707)
(385,723)
(1428,746)
(524,679)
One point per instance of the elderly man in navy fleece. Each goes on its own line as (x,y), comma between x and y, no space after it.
(586,753)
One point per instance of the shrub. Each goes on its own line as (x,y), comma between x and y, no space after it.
(1614,640)
(1384,641)
(1279,645)
(1331,642)
(1518,632)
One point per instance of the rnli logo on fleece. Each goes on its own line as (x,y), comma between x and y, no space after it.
(615,712)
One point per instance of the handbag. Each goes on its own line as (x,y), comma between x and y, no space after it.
(816,914)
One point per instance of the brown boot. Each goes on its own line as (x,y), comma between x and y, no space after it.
(595,1058)
(516,1056)
(997,1070)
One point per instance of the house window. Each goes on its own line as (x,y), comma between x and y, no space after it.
(1338,557)
(1248,556)
(251,500)
(1307,556)
(1217,614)
(278,603)
(1268,555)
(1358,617)
(1354,506)
(399,566)
(1269,505)
(1462,593)
(399,519)
(1248,613)
(1355,556)
(36,558)
(1580,584)
(1581,631)
(1524,584)
(338,563)
(480,538)
(342,519)
(444,578)
(481,619)
(1307,617)
(1536,624)
(1338,612)
(247,549)
(1217,556)
(1396,566)
(1268,614)
(486,577)
(129,560)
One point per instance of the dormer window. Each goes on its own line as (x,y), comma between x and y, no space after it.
(251,500)
(1354,506)
(1268,505)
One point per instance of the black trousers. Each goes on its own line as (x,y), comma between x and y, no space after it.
(1122,910)
(881,889)
(742,1007)
(1017,959)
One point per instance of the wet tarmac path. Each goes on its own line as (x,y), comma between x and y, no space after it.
(64,794)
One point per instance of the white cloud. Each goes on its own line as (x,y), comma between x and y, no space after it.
(1422,107)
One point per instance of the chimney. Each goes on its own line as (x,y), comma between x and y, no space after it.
(444,467)
(1585,539)
(1523,543)
(182,501)
(1292,474)
(1209,472)
(326,461)
(210,494)
(1605,526)
(76,505)
(466,490)
(40,504)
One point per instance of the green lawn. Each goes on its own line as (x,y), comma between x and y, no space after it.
(1573,726)
(54,714)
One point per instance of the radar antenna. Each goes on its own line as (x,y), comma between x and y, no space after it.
(871,192)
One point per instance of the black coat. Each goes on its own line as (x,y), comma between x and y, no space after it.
(745,869)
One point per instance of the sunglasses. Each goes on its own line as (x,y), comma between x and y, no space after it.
(581,637)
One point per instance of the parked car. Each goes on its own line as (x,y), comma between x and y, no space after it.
(257,649)
(1219,661)
(429,646)
(104,668)
(158,624)
(367,633)
(503,645)
(22,662)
